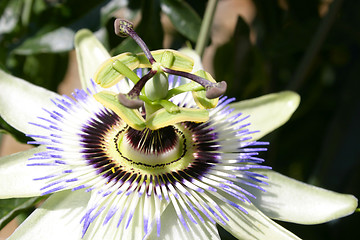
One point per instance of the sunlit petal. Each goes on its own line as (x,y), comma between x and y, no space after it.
(268,112)
(21,102)
(253,224)
(172,228)
(57,219)
(290,200)
(17,179)
(90,53)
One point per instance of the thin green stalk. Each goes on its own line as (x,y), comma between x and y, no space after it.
(206,27)
(26,14)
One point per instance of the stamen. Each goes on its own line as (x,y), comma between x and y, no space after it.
(213,90)
(133,103)
(131,99)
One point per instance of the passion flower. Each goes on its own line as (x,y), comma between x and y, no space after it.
(172,165)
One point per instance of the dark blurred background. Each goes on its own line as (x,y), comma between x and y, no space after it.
(258,47)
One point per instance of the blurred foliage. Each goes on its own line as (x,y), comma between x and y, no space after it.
(17,207)
(7,205)
(296,48)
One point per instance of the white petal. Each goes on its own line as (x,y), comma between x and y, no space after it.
(90,53)
(123,204)
(57,219)
(268,112)
(21,102)
(293,201)
(172,228)
(16,179)
(253,225)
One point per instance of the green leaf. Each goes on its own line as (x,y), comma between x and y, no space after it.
(5,127)
(184,18)
(46,69)
(58,24)
(10,16)
(7,205)
(59,40)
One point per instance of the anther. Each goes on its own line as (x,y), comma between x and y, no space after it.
(131,99)
(216,90)
(213,90)
(133,103)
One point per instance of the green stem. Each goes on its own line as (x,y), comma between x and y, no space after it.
(206,27)
(26,13)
